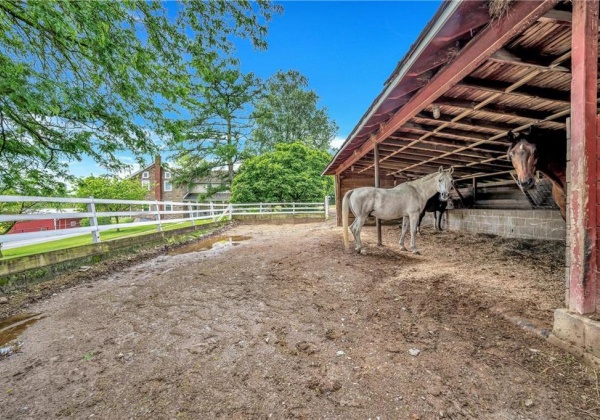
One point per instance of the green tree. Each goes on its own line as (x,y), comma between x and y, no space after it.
(292,172)
(286,112)
(111,188)
(97,77)
(216,134)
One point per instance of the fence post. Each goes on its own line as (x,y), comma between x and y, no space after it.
(230,211)
(293,208)
(94,221)
(212,212)
(326,207)
(159,227)
(191,214)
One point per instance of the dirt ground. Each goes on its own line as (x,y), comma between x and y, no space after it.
(281,322)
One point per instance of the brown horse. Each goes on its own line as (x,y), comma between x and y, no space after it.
(544,151)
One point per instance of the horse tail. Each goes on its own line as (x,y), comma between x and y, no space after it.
(345,208)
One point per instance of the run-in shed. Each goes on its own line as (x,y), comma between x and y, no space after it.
(479,69)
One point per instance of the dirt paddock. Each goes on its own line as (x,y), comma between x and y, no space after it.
(284,323)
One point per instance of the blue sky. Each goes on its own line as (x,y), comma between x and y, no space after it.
(346,49)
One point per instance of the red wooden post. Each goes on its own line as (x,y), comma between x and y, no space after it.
(377,185)
(582,205)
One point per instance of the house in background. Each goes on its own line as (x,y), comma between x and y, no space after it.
(157,177)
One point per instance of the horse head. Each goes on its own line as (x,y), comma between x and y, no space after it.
(445,182)
(523,155)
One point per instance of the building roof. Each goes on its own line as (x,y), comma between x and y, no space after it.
(466,82)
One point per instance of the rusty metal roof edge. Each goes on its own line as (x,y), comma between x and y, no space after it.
(441,17)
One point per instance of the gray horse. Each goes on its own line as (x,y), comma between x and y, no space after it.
(406,200)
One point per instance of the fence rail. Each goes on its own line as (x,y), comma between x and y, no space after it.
(141,213)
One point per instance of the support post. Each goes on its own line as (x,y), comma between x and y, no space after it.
(326,207)
(159,226)
(582,203)
(338,199)
(191,214)
(94,221)
(377,183)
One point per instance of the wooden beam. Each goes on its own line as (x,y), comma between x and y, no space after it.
(582,208)
(377,184)
(449,133)
(560,17)
(485,148)
(483,45)
(426,147)
(425,117)
(504,56)
(410,154)
(495,110)
(528,92)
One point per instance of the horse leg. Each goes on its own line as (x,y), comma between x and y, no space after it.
(404,228)
(420,219)
(355,228)
(414,219)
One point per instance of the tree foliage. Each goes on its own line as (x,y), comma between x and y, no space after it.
(290,173)
(216,133)
(98,77)
(286,112)
(111,188)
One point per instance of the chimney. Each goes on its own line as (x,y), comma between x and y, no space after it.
(158,185)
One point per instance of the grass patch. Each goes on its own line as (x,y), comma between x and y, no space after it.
(86,239)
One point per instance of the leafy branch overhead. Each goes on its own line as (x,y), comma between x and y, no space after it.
(97,78)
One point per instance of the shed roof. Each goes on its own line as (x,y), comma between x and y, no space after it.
(466,82)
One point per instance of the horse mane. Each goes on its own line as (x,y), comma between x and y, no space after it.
(423,179)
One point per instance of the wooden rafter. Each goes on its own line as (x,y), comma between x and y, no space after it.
(527,92)
(481,47)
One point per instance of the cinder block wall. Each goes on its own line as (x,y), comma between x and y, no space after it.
(524,224)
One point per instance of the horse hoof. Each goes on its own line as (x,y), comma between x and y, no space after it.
(415,252)
(363,251)
(403,248)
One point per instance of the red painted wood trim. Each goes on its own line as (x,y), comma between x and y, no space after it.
(487,42)
(584,156)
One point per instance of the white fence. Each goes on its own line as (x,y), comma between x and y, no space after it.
(142,213)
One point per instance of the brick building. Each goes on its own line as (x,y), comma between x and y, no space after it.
(157,177)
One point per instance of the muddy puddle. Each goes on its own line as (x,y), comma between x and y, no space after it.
(11,328)
(218,242)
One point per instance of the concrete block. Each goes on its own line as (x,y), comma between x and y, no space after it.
(569,327)
(592,336)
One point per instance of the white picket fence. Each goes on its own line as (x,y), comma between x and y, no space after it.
(143,213)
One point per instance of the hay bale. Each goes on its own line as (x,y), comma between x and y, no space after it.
(498,8)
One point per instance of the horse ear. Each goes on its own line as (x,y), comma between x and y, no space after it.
(441,169)
(511,136)
(451,170)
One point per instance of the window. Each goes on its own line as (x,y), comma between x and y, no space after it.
(167,175)
(168,207)
(73,224)
(146,183)
(146,174)
(168,186)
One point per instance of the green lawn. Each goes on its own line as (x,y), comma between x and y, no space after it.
(86,239)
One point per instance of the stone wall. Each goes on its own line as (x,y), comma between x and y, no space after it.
(523,224)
